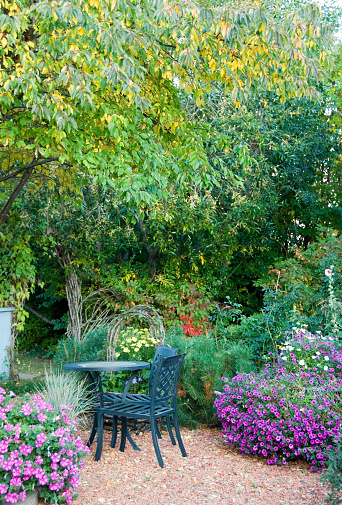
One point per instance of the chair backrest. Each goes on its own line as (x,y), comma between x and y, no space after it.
(162,351)
(164,387)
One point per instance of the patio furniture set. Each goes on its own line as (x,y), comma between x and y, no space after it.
(160,402)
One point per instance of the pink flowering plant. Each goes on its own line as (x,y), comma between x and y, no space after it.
(38,448)
(283,415)
(305,350)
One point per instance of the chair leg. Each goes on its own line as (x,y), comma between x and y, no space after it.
(114,432)
(155,442)
(169,427)
(99,435)
(123,433)
(158,433)
(131,441)
(178,435)
(93,431)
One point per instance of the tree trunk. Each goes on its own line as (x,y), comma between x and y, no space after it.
(74,297)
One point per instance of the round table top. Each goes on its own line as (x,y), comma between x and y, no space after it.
(106,366)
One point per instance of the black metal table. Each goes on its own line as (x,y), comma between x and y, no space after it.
(93,370)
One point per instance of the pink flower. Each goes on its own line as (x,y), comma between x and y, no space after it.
(41,437)
(26,409)
(12,497)
(3,488)
(25,449)
(8,427)
(55,457)
(38,460)
(54,476)
(41,417)
(23,495)
(15,481)
(8,407)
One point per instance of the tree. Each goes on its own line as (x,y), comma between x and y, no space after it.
(94,83)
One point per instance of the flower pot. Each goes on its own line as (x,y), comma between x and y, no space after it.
(31,499)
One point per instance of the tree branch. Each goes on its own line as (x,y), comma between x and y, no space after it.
(22,169)
(36,313)
(14,195)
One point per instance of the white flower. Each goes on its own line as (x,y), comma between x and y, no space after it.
(290,348)
(328,272)
(325,368)
(326,358)
(331,338)
(284,358)
(301,362)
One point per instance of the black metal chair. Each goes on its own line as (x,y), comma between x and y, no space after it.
(162,402)
(111,398)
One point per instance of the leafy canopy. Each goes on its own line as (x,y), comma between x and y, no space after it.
(96,83)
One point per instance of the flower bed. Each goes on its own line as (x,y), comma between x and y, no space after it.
(282,415)
(310,351)
(38,447)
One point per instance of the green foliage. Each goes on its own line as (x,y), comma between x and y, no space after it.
(207,360)
(37,337)
(17,272)
(333,475)
(91,348)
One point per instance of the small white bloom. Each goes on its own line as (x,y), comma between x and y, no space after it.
(331,338)
(326,358)
(301,362)
(284,358)
(325,368)
(290,348)
(328,272)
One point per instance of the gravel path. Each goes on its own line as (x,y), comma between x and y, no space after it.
(213,473)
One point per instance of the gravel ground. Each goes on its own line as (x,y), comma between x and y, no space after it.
(213,473)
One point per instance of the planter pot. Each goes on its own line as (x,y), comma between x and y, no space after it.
(31,499)
(5,338)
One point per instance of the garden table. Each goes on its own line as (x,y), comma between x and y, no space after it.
(93,370)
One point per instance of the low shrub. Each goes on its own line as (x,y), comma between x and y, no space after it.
(282,415)
(38,447)
(206,360)
(91,348)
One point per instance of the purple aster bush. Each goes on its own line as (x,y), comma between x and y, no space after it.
(38,447)
(283,415)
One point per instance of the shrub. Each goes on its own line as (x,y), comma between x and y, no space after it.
(204,365)
(333,474)
(133,344)
(91,348)
(38,448)
(282,415)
